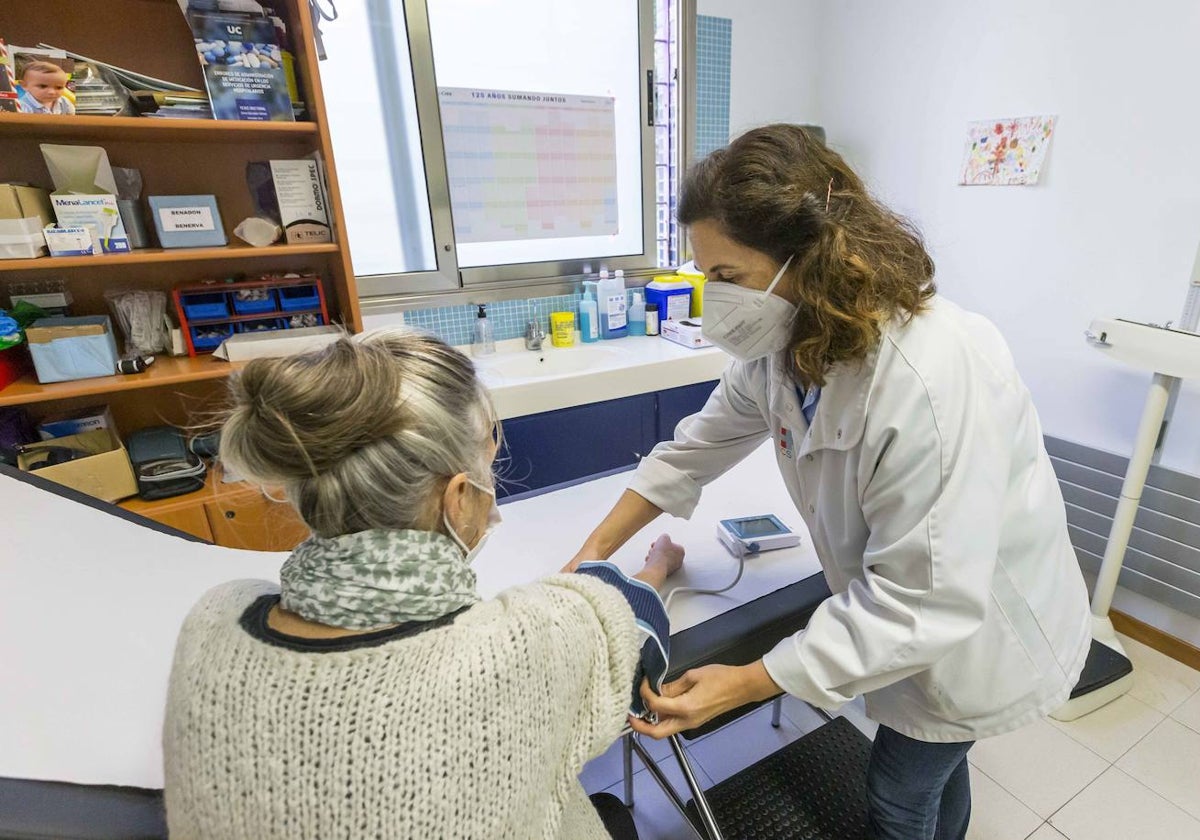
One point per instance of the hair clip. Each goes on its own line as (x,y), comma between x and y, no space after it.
(828,193)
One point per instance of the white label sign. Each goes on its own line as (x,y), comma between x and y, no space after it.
(183,219)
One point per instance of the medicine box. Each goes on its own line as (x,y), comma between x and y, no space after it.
(674,298)
(187,221)
(75,422)
(105,474)
(686,332)
(99,214)
(293,193)
(72,348)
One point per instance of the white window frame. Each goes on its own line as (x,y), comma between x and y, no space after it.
(383,291)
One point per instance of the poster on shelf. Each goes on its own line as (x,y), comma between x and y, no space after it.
(1006,152)
(243,66)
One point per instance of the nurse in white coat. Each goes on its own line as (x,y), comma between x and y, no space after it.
(910,447)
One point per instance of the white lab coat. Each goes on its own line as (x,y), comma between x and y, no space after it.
(958,606)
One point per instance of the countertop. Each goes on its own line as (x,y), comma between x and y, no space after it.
(529,382)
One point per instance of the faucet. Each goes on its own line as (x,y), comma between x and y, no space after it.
(534,335)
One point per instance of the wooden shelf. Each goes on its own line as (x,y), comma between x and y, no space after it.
(166,370)
(51,127)
(170,255)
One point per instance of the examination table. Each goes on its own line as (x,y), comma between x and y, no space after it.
(79,748)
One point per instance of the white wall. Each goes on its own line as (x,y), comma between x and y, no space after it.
(1112,229)
(773,68)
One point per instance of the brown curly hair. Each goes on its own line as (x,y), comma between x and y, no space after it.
(781,191)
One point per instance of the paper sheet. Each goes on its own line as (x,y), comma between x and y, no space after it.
(1010,151)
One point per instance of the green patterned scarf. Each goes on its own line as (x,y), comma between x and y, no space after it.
(374,578)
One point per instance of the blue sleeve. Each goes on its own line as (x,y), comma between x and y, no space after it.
(652,622)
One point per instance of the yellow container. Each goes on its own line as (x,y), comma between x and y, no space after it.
(562,329)
(697,280)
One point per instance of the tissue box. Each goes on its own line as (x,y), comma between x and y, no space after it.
(106,474)
(72,348)
(76,422)
(686,333)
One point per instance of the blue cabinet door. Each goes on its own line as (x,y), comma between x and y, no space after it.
(557,446)
(676,403)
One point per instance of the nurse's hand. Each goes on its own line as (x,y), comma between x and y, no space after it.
(701,694)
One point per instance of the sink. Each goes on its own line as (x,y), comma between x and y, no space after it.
(1147,346)
(550,361)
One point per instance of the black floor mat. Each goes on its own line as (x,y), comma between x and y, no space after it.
(812,789)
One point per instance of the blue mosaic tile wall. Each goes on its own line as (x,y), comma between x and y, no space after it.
(714,40)
(455,324)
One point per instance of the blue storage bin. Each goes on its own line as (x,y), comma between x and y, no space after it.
(262,325)
(209,337)
(307,319)
(251,306)
(293,298)
(72,348)
(204,306)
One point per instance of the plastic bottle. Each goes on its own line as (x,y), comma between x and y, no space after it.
(484,341)
(589,314)
(637,314)
(652,327)
(610,298)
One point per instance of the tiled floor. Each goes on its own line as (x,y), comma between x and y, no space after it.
(1128,771)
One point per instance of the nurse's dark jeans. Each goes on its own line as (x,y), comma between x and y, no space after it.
(917,790)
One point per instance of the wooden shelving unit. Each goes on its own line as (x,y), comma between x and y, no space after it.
(93,130)
(140,256)
(168,370)
(175,157)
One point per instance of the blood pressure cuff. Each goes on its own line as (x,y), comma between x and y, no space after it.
(654,629)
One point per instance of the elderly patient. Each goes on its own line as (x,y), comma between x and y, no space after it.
(374,695)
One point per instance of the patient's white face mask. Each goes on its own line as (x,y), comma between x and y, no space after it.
(493,520)
(745,323)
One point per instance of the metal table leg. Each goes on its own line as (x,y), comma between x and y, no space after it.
(627,761)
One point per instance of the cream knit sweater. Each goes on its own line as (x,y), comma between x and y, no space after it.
(474,729)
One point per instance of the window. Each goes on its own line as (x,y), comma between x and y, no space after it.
(483,142)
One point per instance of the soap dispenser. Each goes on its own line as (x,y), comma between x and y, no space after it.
(589,327)
(484,340)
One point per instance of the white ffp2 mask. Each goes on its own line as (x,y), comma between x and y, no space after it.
(745,323)
(493,521)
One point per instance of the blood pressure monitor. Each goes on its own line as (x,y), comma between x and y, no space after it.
(755,534)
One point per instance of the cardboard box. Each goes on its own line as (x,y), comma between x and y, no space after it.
(686,333)
(24,211)
(18,201)
(85,194)
(106,474)
(76,422)
(276,343)
(72,348)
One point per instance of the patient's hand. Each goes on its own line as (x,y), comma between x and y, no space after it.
(665,554)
